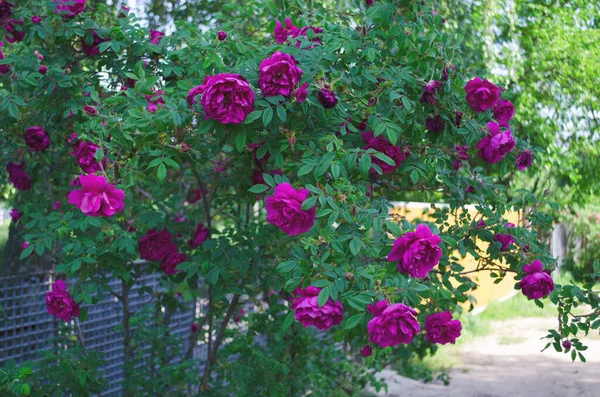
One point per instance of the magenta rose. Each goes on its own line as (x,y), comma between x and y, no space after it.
(5,11)
(97,197)
(86,160)
(496,145)
(301,93)
(191,97)
(308,312)
(392,325)
(201,234)
(36,19)
(524,160)
(481,94)
(281,34)
(417,252)
(43,69)
(284,210)
(171,260)
(15,214)
(92,49)
(366,351)
(435,123)
(14,31)
(155,245)
(279,75)
(536,284)
(430,90)
(327,98)
(18,177)
(36,139)
(504,112)
(221,35)
(5,68)
(60,303)
(505,240)
(156,36)
(154,100)
(259,179)
(227,98)
(440,328)
(382,145)
(69,8)
(303,32)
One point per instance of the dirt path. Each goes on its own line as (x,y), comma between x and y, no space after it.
(508,363)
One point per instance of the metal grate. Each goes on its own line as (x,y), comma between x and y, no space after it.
(27,329)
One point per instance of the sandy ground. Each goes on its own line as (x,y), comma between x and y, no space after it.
(508,363)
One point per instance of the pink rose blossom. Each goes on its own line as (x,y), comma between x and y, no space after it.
(156,36)
(496,145)
(154,100)
(171,260)
(93,48)
(284,210)
(482,95)
(504,112)
(430,90)
(15,214)
(392,325)
(301,93)
(382,145)
(281,34)
(97,197)
(36,139)
(191,97)
(327,98)
(307,311)
(201,234)
(69,8)
(505,240)
(25,245)
(155,245)
(303,32)
(417,252)
(536,284)
(227,98)
(524,160)
(435,123)
(14,31)
(86,160)
(35,19)
(279,75)
(366,351)
(5,11)
(440,328)
(18,177)
(221,35)
(59,302)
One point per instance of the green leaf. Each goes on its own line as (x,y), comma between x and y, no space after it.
(353,321)
(161,172)
(267,116)
(281,114)
(355,246)
(253,116)
(258,188)
(309,203)
(287,266)
(155,162)
(289,320)
(240,141)
(305,169)
(323,296)
(27,251)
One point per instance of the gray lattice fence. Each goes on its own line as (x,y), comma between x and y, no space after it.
(28,328)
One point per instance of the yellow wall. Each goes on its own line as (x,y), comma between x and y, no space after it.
(487,291)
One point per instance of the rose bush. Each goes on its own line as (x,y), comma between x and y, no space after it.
(170,131)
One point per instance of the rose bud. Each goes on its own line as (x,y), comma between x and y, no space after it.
(43,69)
(90,110)
(221,35)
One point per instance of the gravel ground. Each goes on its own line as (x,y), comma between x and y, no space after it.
(508,363)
